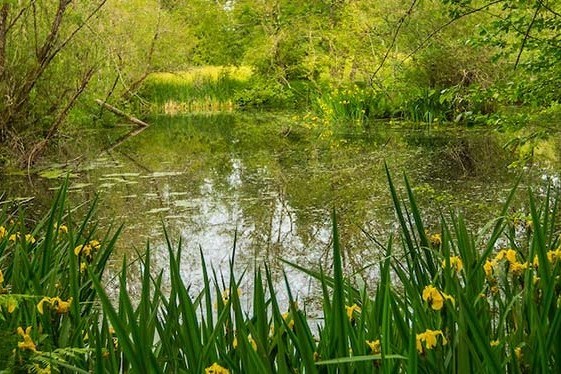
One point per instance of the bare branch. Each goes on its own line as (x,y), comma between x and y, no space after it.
(548,8)
(41,145)
(445,25)
(46,48)
(20,14)
(390,47)
(538,8)
(4,11)
(48,52)
(77,29)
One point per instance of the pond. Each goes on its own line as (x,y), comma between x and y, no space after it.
(269,184)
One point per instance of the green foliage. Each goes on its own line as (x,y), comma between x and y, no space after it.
(351,105)
(264,93)
(445,301)
(46,296)
(461,61)
(210,88)
(45,66)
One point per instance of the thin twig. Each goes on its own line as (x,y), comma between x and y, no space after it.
(445,25)
(548,8)
(526,36)
(394,39)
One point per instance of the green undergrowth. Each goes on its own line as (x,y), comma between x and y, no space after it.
(209,88)
(217,89)
(448,301)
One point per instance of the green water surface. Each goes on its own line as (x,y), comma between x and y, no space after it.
(273,183)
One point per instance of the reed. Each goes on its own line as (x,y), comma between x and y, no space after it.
(209,88)
(446,301)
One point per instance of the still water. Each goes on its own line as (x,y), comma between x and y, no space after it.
(271,182)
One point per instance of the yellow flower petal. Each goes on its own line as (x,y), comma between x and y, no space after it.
(12,304)
(78,250)
(374,346)
(40,304)
(435,298)
(430,339)
(216,369)
(455,263)
(518,353)
(435,240)
(489,267)
(288,319)
(517,268)
(63,307)
(27,343)
(511,255)
(351,310)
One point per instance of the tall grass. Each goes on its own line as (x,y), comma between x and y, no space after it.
(46,294)
(451,301)
(209,88)
(351,106)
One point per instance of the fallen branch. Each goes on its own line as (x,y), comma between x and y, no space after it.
(120,113)
(123,138)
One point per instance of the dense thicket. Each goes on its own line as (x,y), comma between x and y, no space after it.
(421,60)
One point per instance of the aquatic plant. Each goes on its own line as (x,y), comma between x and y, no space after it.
(204,89)
(47,301)
(446,301)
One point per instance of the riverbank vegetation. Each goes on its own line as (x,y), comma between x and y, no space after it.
(449,300)
(446,300)
(469,62)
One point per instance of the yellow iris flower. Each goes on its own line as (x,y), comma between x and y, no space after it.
(489,268)
(517,268)
(216,369)
(27,343)
(374,346)
(455,263)
(288,319)
(351,310)
(88,250)
(429,337)
(435,240)
(56,304)
(435,298)
(509,254)
(62,229)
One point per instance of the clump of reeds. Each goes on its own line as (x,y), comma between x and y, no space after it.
(447,301)
(203,89)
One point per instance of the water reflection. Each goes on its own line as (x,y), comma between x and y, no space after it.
(209,179)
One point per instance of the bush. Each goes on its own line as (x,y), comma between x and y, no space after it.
(265,94)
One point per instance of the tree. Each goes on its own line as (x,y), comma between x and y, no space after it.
(44,68)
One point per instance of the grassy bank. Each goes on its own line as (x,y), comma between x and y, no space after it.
(446,301)
(209,88)
(346,105)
